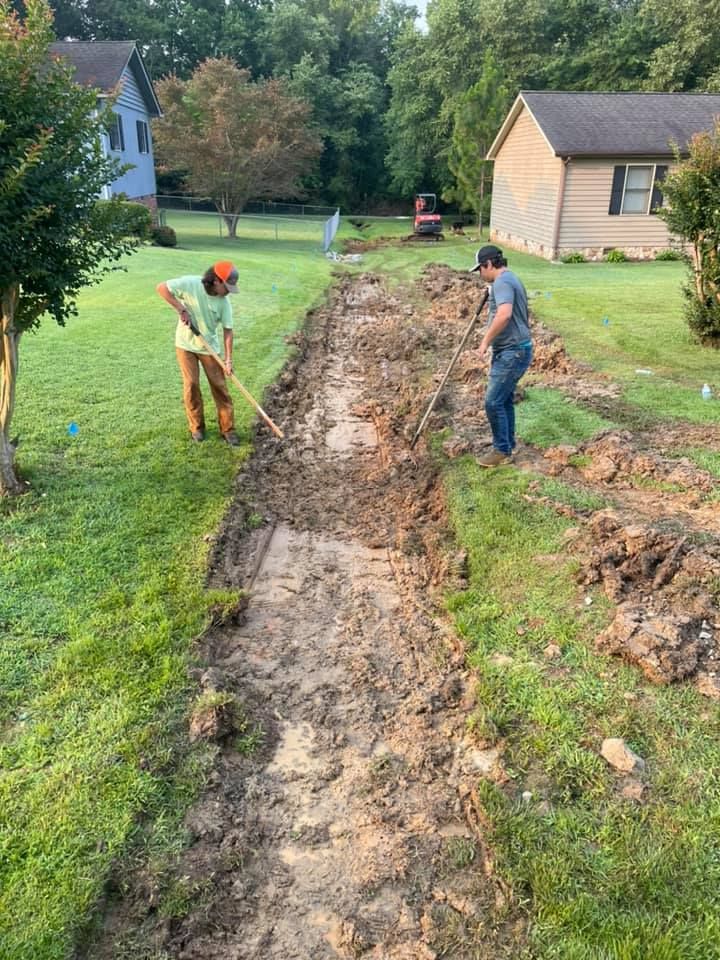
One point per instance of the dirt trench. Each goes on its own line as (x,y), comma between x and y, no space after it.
(353,829)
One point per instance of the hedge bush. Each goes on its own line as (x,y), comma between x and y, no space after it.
(135,218)
(164,237)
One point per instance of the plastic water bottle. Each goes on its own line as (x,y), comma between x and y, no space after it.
(706,392)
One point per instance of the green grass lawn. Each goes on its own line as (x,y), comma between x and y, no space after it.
(102,569)
(602,877)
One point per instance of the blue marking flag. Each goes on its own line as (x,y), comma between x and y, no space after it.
(73,429)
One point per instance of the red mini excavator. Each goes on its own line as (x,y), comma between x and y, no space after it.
(427,224)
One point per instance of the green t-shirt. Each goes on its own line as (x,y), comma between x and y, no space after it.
(209,314)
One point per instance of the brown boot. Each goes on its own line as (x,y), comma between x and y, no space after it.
(495,458)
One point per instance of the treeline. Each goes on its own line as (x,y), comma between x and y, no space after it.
(400,109)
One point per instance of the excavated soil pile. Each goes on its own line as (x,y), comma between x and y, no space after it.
(614,458)
(667,620)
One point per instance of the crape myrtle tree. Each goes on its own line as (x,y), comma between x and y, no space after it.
(692,211)
(54,236)
(236,139)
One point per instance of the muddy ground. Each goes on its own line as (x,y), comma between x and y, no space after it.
(353,827)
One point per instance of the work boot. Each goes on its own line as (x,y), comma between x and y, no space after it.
(197,436)
(232,438)
(495,458)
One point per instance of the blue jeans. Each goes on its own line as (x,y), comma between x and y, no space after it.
(505,370)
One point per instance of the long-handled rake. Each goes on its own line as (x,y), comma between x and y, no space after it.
(246,393)
(457,353)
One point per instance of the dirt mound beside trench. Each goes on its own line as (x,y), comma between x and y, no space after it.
(664,586)
(614,458)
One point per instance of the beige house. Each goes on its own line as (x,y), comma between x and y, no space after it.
(579,171)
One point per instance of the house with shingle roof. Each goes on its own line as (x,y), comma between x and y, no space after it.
(115,68)
(580,171)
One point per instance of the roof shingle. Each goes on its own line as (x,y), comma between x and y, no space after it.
(620,124)
(98,63)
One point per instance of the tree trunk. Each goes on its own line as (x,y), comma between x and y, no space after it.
(9,339)
(231,222)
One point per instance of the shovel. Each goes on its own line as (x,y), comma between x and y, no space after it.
(248,396)
(457,353)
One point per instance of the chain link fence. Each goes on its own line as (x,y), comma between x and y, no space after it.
(264,218)
(262,208)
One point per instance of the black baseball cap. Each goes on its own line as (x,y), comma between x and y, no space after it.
(488,252)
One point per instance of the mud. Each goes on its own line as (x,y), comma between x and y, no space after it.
(352,829)
(664,586)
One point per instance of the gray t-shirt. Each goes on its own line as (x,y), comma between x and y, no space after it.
(509,288)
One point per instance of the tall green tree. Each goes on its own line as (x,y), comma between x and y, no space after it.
(55,237)
(237,139)
(687,55)
(175,35)
(335,54)
(416,155)
(478,116)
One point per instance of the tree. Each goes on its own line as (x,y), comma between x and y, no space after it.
(687,48)
(478,116)
(236,139)
(175,35)
(416,137)
(335,55)
(692,191)
(54,236)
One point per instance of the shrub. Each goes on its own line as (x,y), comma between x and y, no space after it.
(669,255)
(616,256)
(692,212)
(702,316)
(574,257)
(164,237)
(135,218)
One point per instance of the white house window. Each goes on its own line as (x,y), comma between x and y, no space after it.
(638,187)
(115,133)
(635,189)
(143,136)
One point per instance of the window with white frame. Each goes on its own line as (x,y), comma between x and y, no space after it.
(115,133)
(636,190)
(143,136)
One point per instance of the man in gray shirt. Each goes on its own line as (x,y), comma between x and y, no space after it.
(508,332)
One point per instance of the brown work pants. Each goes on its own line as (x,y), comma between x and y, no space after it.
(192,397)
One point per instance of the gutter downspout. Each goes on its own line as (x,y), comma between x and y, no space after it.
(558,207)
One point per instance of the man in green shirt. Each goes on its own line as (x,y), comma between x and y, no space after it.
(204,300)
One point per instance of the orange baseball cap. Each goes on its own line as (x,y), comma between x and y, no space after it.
(228,273)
